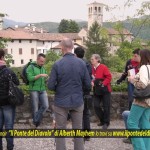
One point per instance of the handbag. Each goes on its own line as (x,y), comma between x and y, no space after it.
(99,88)
(15,94)
(142,94)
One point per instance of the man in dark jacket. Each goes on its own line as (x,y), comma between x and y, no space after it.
(79,52)
(7,112)
(131,64)
(68,76)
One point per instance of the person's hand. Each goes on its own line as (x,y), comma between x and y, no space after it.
(131,79)
(92,83)
(118,82)
(44,75)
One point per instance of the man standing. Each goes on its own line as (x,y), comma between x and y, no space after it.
(131,64)
(68,76)
(37,75)
(79,52)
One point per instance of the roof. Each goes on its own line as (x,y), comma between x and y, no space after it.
(12,34)
(112,31)
(21,33)
(72,36)
(96,3)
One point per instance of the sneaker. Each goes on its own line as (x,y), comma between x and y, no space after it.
(128,141)
(105,126)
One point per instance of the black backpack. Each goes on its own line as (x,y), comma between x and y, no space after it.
(24,73)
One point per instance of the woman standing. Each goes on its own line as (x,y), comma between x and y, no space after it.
(139,117)
(102,90)
(7,112)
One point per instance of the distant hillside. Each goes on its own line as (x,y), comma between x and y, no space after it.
(11,23)
(52,27)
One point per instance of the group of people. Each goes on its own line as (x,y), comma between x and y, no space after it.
(72,78)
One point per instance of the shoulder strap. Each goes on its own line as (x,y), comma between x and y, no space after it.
(148,72)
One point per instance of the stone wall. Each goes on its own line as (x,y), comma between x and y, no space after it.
(119,103)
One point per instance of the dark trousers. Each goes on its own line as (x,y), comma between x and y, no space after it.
(86,117)
(103,112)
(130,94)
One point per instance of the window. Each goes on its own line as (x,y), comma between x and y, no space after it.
(22,62)
(12,41)
(30,41)
(11,50)
(19,41)
(99,9)
(6,51)
(74,40)
(43,42)
(32,50)
(20,51)
(30,60)
(13,62)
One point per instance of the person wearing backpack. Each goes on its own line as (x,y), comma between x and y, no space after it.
(37,75)
(7,111)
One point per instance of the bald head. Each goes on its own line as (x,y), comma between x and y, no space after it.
(66,45)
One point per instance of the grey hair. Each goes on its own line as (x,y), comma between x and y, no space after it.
(67,43)
(97,57)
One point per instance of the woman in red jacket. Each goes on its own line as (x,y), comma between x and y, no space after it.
(102,90)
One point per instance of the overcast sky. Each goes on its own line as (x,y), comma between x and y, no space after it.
(55,10)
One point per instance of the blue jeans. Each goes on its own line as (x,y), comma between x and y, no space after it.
(7,116)
(130,94)
(139,118)
(39,105)
(125,115)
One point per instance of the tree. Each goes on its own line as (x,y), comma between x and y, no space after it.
(95,43)
(68,26)
(140,19)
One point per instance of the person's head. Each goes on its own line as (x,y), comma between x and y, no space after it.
(2,54)
(79,51)
(66,45)
(145,57)
(95,59)
(136,55)
(41,59)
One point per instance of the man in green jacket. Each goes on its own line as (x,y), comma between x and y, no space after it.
(37,75)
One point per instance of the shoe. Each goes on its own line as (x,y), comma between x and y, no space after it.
(100,124)
(105,126)
(128,141)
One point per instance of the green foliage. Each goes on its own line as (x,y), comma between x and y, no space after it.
(95,43)
(68,26)
(8,59)
(115,63)
(3,42)
(119,88)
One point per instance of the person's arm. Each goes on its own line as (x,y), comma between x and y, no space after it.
(140,80)
(14,78)
(125,73)
(31,76)
(107,76)
(52,81)
(86,81)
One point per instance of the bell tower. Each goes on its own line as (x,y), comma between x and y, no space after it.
(95,13)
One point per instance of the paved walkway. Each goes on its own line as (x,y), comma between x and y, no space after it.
(93,144)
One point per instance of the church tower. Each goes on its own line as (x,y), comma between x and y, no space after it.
(95,13)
